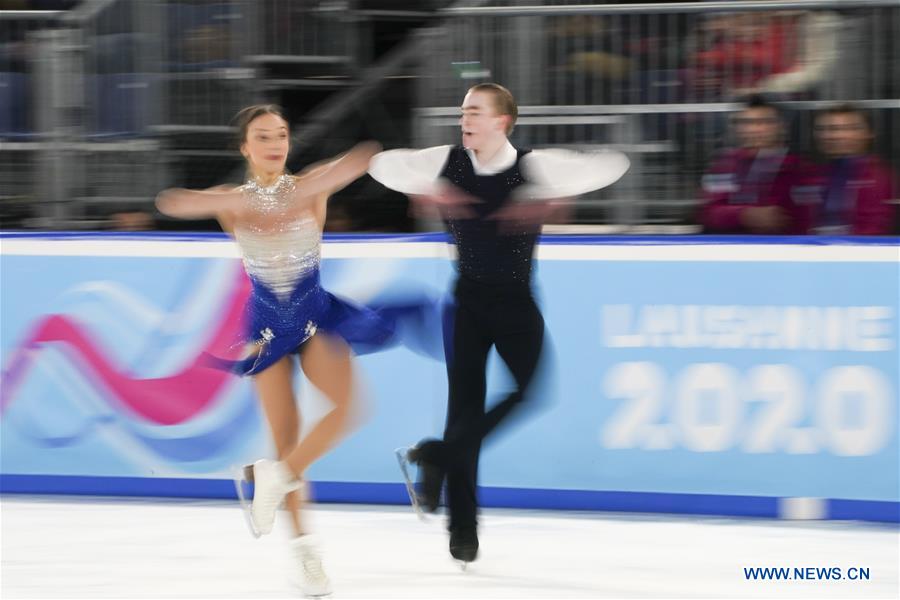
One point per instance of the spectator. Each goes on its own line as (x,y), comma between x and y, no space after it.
(783,53)
(814,61)
(748,189)
(852,192)
(591,63)
(134,220)
(338,218)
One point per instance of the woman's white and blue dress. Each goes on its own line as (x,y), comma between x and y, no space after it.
(287,304)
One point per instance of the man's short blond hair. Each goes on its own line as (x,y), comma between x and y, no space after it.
(504,103)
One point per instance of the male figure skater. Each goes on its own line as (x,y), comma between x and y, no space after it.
(492,197)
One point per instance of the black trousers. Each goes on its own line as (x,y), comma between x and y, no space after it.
(505,317)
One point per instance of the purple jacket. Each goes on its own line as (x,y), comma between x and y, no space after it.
(737,181)
(854,197)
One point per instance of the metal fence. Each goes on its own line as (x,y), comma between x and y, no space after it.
(659,81)
(119,98)
(74,98)
(19,117)
(93,95)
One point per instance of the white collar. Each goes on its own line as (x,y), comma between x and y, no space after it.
(501,161)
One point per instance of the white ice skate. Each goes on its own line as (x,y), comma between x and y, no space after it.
(271,481)
(311,578)
(403,460)
(243,482)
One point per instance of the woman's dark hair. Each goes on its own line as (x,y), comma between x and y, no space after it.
(246,116)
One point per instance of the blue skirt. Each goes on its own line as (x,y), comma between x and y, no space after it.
(277,328)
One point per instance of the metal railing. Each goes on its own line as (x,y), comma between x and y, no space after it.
(18,117)
(32,102)
(122,97)
(669,74)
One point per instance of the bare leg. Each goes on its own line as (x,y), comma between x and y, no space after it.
(327,364)
(275,388)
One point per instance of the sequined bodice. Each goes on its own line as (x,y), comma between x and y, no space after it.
(284,251)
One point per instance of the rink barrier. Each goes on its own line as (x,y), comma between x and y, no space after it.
(581,239)
(333,492)
(690,495)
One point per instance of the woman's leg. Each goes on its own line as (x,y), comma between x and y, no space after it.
(327,364)
(275,388)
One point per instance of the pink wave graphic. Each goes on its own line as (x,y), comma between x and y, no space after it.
(165,400)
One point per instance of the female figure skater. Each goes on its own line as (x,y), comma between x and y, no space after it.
(277,219)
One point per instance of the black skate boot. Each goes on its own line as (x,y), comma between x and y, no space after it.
(464,544)
(426,494)
(431,476)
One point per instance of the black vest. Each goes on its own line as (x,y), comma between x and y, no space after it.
(488,254)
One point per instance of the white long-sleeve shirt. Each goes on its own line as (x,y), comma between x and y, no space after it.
(549,173)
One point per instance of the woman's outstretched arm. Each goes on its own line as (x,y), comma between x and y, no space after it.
(330,176)
(199,204)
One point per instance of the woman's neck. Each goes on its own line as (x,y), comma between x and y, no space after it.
(266,179)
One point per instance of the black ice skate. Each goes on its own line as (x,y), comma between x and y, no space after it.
(426,494)
(464,545)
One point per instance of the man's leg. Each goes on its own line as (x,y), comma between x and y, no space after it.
(465,409)
(519,340)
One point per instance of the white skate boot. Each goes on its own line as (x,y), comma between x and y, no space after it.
(271,482)
(311,578)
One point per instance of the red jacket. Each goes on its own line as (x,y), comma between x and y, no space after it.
(863,205)
(739,62)
(735,183)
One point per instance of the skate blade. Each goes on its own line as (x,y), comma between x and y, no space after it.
(462,564)
(317,594)
(243,480)
(403,461)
